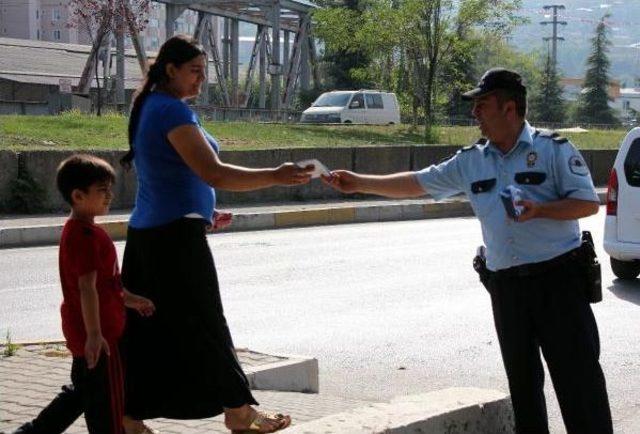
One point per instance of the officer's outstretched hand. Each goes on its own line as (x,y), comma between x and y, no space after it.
(343,181)
(529,210)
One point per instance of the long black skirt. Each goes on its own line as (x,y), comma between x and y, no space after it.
(179,363)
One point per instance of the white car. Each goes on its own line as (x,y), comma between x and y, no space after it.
(622,224)
(354,107)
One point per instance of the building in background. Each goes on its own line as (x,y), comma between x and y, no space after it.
(46,20)
(629,105)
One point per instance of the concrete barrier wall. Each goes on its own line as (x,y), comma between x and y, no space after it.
(42,166)
(24,108)
(8,172)
(383,159)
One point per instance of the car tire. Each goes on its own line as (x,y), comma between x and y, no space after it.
(625,269)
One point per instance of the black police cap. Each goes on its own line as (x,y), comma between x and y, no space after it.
(495,79)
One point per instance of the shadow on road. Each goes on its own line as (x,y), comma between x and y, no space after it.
(628,290)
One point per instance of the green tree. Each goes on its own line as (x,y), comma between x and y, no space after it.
(546,102)
(414,44)
(479,32)
(593,103)
(343,64)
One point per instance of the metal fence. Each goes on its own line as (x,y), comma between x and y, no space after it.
(248,114)
(470,122)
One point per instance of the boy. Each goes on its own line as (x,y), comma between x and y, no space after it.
(92,308)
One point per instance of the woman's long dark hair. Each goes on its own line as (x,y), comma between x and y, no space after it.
(177,50)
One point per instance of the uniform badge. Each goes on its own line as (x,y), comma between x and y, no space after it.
(577,166)
(532,157)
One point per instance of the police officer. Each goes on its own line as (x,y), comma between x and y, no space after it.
(536,284)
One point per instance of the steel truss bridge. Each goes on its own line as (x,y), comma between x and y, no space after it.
(284,48)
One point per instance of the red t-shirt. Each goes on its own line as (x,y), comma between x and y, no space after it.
(85,247)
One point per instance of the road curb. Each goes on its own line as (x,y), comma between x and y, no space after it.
(247,221)
(293,374)
(43,235)
(265,371)
(452,411)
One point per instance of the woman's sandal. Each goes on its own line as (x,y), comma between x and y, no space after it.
(141,428)
(258,423)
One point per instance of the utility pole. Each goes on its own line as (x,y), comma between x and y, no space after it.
(555,38)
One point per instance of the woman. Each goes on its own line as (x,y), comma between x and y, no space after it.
(181,364)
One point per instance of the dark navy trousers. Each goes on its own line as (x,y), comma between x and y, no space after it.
(549,313)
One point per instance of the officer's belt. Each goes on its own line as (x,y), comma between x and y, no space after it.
(536,268)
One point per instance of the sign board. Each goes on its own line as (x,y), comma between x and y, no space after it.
(275,69)
(65,85)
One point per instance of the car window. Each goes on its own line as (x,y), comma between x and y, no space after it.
(632,164)
(338,99)
(357,101)
(374,101)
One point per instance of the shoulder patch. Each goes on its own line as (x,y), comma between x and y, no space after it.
(577,166)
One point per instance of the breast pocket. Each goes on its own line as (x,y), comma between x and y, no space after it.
(530,178)
(483,186)
(483,196)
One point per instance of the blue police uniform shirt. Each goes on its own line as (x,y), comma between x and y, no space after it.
(544,168)
(167,188)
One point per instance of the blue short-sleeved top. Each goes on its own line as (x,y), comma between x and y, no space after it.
(543,167)
(167,188)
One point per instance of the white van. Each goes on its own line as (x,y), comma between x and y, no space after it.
(622,224)
(354,107)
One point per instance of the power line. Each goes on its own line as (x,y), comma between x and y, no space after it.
(555,38)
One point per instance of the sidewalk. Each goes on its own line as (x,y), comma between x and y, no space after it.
(22,231)
(33,376)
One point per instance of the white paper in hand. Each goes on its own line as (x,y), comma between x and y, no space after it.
(319,168)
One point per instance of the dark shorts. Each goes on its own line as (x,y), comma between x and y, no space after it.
(95,392)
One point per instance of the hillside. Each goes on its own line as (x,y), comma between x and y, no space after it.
(582,17)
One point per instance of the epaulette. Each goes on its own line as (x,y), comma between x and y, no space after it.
(481,141)
(549,134)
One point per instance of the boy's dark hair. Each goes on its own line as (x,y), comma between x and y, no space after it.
(80,171)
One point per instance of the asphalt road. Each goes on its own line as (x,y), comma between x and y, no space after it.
(387,308)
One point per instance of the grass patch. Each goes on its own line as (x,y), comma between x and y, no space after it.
(593,139)
(75,131)
(10,348)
